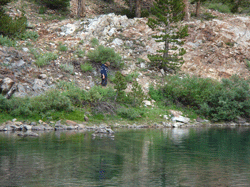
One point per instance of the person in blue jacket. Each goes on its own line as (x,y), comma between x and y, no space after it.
(104,73)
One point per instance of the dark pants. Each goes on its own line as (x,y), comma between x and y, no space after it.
(104,81)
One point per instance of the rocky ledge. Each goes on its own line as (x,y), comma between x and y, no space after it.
(174,120)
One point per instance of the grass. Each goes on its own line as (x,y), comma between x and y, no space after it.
(132,76)
(80,53)
(44,59)
(62,47)
(33,35)
(68,67)
(94,42)
(5,41)
(86,67)
(223,8)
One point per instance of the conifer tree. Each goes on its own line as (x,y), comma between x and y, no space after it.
(166,16)
(120,86)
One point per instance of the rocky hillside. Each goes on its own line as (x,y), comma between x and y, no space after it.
(217,48)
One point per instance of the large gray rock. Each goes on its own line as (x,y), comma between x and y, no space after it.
(68,29)
(38,84)
(180,119)
(5,85)
(27,127)
(38,128)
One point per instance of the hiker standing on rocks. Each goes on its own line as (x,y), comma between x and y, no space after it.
(104,73)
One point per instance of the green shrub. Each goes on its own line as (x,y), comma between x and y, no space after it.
(207,16)
(45,59)
(103,54)
(219,7)
(128,13)
(80,53)
(62,47)
(137,95)
(51,100)
(190,91)
(229,101)
(33,35)
(132,76)
(56,4)
(120,86)
(156,94)
(81,97)
(68,67)
(130,113)
(40,105)
(42,9)
(145,13)
(223,101)
(12,27)
(5,41)
(86,67)
(94,42)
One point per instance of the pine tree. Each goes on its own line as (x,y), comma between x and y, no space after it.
(120,86)
(166,16)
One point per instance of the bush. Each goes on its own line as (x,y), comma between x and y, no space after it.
(128,13)
(130,113)
(41,105)
(56,4)
(223,101)
(68,67)
(94,42)
(71,91)
(189,91)
(5,41)
(120,86)
(45,59)
(86,67)
(29,35)
(132,76)
(229,101)
(62,47)
(12,27)
(156,94)
(103,54)
(219,7)
(137,94)
(80,53)
(207,16)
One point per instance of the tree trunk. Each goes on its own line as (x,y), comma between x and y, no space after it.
(81,12)
(165,54)
(131,6)
(138,8)
(186,10)
(198,8)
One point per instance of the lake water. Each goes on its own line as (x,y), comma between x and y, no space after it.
(148,157)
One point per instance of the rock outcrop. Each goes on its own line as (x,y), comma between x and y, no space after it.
(218,48)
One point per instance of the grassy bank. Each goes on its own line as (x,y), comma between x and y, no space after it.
(207,98)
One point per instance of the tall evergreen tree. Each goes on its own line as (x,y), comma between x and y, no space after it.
(166,16)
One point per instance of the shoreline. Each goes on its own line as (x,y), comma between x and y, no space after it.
(32,129)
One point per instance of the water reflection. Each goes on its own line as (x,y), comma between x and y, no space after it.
(167,157)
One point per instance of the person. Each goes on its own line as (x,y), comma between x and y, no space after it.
(104,73)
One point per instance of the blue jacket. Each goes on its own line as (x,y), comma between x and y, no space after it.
(104,70)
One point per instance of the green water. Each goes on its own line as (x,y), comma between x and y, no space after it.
(167,157)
